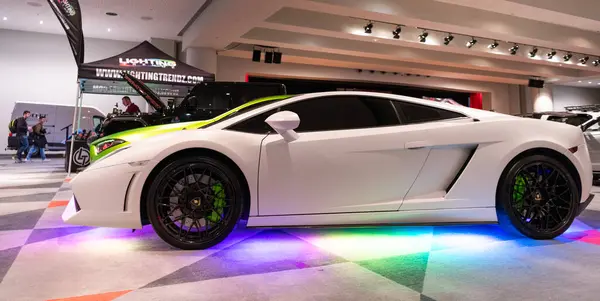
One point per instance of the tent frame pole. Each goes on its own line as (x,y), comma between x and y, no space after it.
(75,117)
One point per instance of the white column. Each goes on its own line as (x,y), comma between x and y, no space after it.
(543,99)
(202,58)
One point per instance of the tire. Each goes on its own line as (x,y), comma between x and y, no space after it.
(538,197)
(205,192)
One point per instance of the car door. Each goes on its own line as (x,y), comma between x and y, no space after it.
(352,155)
(592,139)
(451,139)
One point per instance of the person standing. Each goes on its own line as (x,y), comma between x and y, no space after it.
(39,140)
(131,108)
(22,131)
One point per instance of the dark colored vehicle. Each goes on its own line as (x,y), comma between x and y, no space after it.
(204,101)
(572,118)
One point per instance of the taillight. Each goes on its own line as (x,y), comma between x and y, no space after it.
(573,149)
(9,134)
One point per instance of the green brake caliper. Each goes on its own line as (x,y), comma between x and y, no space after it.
(219,203)
(519,189)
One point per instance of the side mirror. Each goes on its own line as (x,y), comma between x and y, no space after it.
(284,123)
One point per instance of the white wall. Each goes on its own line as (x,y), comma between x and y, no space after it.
(235,69)
(37,67)
(571,96)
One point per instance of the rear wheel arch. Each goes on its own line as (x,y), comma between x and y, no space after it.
(542,151)
(195,152)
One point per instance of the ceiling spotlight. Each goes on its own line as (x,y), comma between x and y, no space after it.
(551,54)
(423,37)
(112,14)
(596,63)
(533,52)
(493,45)
(448,39)
(396,32)
(108,29)
(471,43)
(4,18)
(567,57)
(513,50)
(584,60)
(41,22)
(369,28)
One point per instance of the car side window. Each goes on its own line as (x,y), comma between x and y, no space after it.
(593,126)
(343,112)
(329,114)
(415,113)
(254,125)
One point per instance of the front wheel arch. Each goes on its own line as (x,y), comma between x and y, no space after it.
(195,152)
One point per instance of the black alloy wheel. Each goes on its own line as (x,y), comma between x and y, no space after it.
(538,196)
(194,202)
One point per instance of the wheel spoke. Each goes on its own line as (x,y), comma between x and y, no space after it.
(194,203)
(541,197)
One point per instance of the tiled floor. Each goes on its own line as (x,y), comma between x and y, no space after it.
(41,258)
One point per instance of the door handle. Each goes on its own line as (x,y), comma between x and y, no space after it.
(417,144)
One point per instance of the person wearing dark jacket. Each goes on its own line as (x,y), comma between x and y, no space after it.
(22,130)
(39,140)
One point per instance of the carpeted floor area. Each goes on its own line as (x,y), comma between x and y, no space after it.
(42,258)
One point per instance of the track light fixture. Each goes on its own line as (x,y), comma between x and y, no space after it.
(423,37)
(448,39)
(533,52)
(369,28)
(396,32)
(471,43)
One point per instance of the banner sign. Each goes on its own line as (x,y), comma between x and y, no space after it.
(68,13)
(127,62)
(148,64)
(112,74)
(123,88)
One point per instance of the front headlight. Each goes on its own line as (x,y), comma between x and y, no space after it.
(101,147)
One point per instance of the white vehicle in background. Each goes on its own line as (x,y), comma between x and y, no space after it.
(59,122)
(591,130)
(339,159)
(587,118)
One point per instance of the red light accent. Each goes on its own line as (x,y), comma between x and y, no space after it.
(247,78)
(9,134)
(573,149)
(476,100)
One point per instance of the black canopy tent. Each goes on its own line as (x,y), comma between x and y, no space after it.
(162,73)
(165,75)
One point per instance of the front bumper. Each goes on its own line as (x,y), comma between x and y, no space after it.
(101,198)
(585,203)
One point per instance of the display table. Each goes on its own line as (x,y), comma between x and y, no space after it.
(81,155)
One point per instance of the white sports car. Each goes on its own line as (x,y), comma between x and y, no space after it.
(341,159)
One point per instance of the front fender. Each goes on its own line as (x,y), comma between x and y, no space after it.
(241,148)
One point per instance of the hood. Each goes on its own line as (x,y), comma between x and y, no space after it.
(151,98)
(145,132)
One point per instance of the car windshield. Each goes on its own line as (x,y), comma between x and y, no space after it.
(229,114)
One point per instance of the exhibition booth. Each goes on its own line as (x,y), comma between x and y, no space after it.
(164,75)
